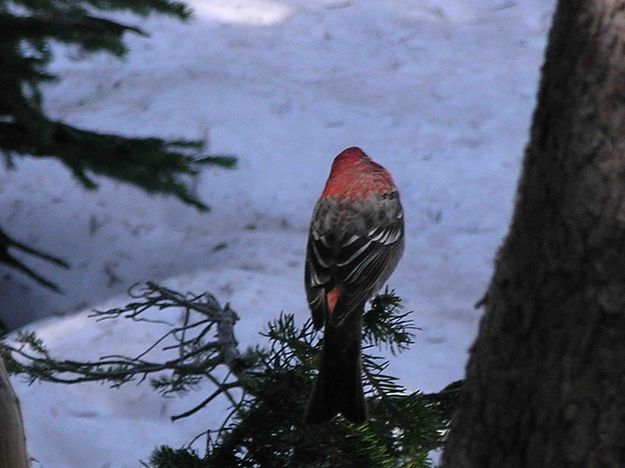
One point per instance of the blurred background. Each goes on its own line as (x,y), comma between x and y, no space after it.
(439,92)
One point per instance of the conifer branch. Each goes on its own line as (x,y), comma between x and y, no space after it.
(7,244)
(195,356)
(153,164)
(266,387)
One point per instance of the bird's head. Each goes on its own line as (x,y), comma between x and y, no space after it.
(356,176)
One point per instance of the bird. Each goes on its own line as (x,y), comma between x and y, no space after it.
(355,241)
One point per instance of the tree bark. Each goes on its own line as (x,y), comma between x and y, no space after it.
(545,384)
(12,440)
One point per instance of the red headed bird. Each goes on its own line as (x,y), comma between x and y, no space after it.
(355,241)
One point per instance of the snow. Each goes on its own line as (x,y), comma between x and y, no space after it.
(439,92)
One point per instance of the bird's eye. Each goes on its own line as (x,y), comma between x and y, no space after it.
(390,195)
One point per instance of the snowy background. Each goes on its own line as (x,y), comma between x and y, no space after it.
(439,92)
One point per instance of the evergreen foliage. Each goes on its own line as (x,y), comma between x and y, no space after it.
(7,244)
(27,29)
(267,387)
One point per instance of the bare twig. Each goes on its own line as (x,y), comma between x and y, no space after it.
(195,358)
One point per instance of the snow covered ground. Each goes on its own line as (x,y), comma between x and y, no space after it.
(440,92)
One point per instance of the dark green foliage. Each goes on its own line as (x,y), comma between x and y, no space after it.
(386,325)
(7,244)
(268,431)
(153,164)
(267,387)
(27,28)
(166,457)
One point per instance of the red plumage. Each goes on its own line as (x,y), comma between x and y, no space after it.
(355,241)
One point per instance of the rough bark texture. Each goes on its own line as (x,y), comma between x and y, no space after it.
(545,382)
(12,441)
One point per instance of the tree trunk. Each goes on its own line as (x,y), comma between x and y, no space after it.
(545,383)
(12,441)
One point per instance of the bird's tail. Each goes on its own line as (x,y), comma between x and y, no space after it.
(338,388)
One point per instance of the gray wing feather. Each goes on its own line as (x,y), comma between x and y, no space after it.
(358,261)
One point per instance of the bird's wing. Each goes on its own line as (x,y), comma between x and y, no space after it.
(363,270)
(316,280)
(358,263)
